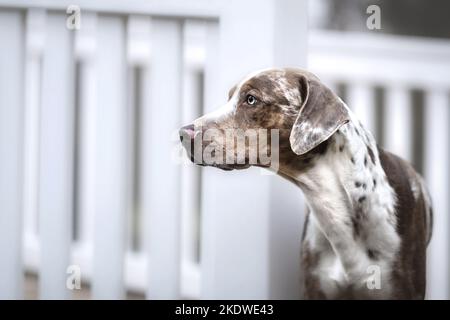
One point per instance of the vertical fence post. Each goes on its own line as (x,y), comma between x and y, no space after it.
(85,47)
(35,38)
(56,159)
(190,186)
(398,121)
(194,49)
(161,176)
(11,126)
(252,239)
(208,227)
(361,100)
(437,174)
(139,60)
(109,222)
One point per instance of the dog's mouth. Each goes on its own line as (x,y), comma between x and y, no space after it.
(226,167)
(229,167)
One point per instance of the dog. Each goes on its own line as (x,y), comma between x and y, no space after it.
(369,217)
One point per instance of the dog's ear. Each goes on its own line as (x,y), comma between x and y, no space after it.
(321,114)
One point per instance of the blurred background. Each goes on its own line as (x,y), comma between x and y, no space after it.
(95,187)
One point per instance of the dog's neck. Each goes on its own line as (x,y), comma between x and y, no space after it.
(350,198)
(349,163)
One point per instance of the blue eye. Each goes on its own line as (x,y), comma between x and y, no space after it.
(251,100)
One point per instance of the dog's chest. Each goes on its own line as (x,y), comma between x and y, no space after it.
(330,276)
(327,267)
(357,186)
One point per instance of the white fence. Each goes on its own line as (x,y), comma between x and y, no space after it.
(88,123)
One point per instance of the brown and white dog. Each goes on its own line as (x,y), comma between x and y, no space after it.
(369,211)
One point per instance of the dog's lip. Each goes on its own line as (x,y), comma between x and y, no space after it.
(229,167)
(225,166)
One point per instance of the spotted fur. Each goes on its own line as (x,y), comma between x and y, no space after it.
(366,206)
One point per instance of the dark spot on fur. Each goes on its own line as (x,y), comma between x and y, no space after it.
(355,228)
(321,148)
(371,154)
(359,184)
(314,137)
(305,226)
(330,123)
(361,199)
(358,213)
(373,254)
(365,161)
(352,160)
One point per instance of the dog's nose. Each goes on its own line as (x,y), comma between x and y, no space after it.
(187,132)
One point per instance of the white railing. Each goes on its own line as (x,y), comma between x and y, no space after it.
(88,122)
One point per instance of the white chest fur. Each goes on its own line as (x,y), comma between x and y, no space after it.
(353,222)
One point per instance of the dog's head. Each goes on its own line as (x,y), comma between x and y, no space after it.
(293,103)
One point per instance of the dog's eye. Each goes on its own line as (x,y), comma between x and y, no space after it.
(251,100)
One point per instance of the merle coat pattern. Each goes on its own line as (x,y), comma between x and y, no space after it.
(369,210)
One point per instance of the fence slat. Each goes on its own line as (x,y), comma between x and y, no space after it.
(85,48)
(161,176)
(110,219)
(361,99)
(56,159)
(138,35)
(35,32)
(212,99)
(11,113)
(437,174)
(190,197)
(190,174)
(398,122)
(138,58)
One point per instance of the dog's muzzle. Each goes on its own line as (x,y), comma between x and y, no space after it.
(192,142)
(187,134)
(187,137)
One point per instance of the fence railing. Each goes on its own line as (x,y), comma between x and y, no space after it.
(88,122)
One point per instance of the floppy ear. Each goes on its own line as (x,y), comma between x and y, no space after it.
(321,114)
